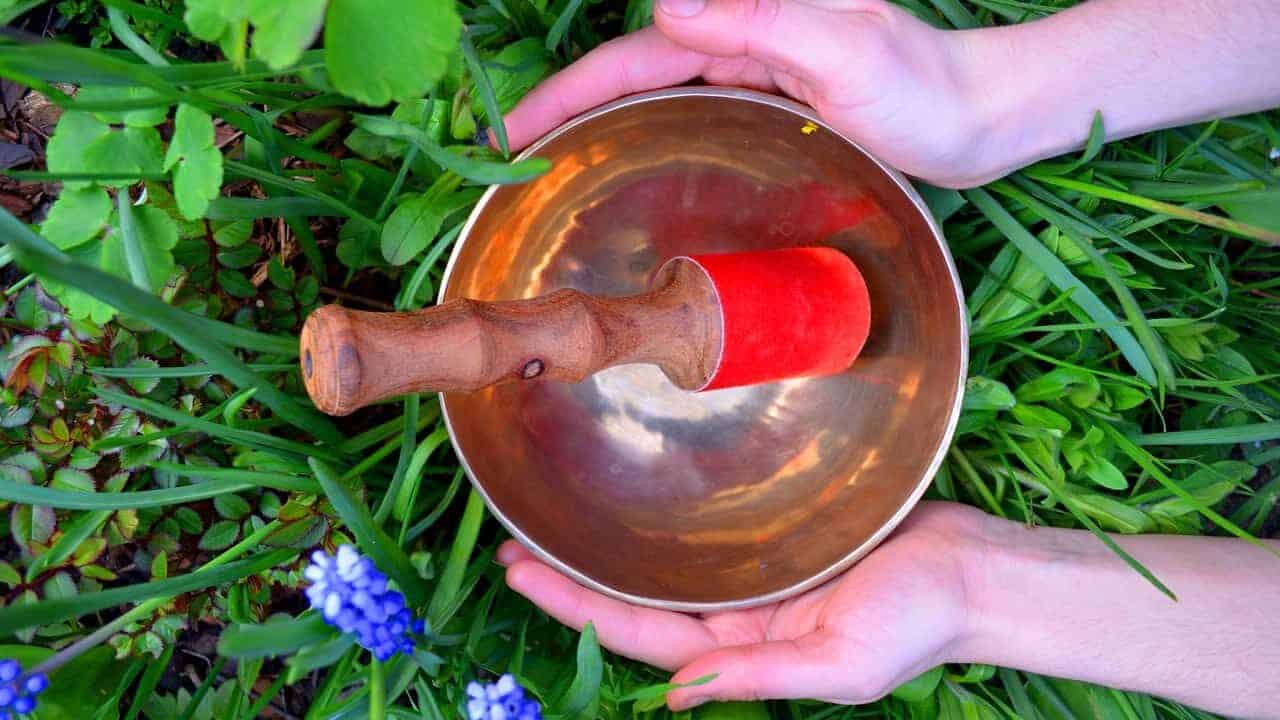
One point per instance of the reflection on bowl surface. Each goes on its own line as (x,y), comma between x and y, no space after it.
(730,497)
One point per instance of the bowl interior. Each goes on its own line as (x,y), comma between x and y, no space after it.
(732,497)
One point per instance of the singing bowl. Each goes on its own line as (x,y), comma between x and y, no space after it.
(726,499)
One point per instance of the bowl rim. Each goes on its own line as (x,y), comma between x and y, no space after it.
(926,478)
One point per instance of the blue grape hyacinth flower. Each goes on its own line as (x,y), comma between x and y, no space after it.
(18,693)
(501,700)
(353,596)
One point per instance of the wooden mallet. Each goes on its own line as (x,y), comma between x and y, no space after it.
(708,321)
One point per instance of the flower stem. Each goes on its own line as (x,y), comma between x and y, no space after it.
(377,691)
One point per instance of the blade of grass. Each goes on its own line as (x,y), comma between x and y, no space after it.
(1071,211)
(229,434)
(275,481)
(480,171)
(1080,516)
(487,96)
(184,371)
(205,685)
(423,525)
(1256,432)
(1148,463)
(119,25)
(1063,279)
(150,680)
(300,189)
(1251,232)
(464,542)
(79,500)
(402,463)
(235,208)
(372,540)
(53,610)
(399,496)
(561,26)
(134,259)
(1147,338)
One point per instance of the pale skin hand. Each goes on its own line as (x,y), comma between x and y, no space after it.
(955,585)
(954,108)
(893,616)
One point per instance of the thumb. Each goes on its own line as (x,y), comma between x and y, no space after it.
(769,31)
(806,668)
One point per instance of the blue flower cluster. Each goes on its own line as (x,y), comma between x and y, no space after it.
(502,700)
(353,596)
(17,693)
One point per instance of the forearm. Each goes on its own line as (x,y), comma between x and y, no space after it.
(1058,602)
(1145,64)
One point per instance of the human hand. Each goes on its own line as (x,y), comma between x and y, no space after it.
(905,91)
(898,612)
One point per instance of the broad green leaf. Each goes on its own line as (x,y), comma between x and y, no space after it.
(282,29)
(149,262)
(651,697)
(356,245)
(583,696)
(921,686)
(406,233)
(132,151)
(982,393)
(194,160)
(85,682)
(277,636)
(208,19)
(78,215)
(1261,208)
(75,132)
(220,535)
(384,50)
(1102,472)
(231,507)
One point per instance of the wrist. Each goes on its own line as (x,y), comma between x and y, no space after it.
(1010,572)
(1025,111)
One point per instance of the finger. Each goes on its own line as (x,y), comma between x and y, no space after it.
(512,552)
(764,30)
(805,668)
(644,60)
(665,639)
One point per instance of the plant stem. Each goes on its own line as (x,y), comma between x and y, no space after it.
(377,691)
(265,698)
(203,690)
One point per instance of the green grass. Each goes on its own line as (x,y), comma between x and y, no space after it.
(159,458)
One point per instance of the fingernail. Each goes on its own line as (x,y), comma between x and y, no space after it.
(693,703)
(505,555)
(682,8)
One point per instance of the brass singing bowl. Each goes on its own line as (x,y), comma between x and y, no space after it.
(727,499)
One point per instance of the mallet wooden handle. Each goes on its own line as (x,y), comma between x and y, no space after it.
(351,359)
